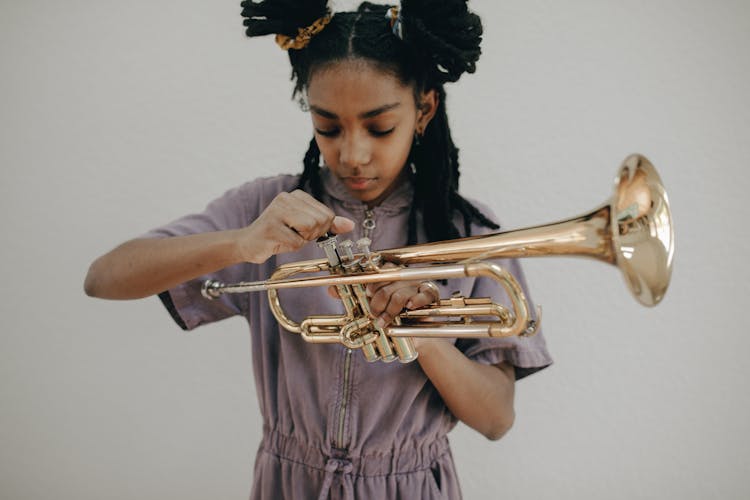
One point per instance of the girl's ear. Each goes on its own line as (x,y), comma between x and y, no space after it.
(428,106)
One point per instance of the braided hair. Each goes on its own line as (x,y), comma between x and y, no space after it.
(440,40)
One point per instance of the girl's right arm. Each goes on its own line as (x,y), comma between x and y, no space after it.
(147,266)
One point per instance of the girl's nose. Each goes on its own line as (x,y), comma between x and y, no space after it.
(355,151)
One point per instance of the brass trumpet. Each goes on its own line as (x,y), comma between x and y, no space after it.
(632,231)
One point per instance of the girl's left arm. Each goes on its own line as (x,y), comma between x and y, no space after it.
(479,395)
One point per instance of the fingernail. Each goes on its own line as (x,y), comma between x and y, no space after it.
(379,322)
(410,305)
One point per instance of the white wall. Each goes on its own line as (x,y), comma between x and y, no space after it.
(118,116)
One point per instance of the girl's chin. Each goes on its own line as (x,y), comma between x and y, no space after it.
(371,197)
(366,196)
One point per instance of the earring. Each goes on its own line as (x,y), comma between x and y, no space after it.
(417,136)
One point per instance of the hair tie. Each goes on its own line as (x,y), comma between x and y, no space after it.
(304,34)
(394,15)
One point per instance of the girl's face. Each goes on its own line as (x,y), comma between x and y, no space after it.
(364,121)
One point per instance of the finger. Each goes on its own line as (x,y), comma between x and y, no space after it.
(398,300)
(301,223)
(390,300)
(327,220)
(372,288)
(421,299)
(287,239)
(427,290)
(297,213)
(294,213)
(312,204)
(380,296)
(322,215)
(341,225)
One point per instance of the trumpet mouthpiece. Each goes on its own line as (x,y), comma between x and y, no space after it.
(211,289)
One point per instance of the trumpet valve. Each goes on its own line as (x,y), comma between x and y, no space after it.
(384,347)
(370,353)
(345,251)
(329,245)
(405,349)
(348,262)
(370,347)
(369,260)
(364,246)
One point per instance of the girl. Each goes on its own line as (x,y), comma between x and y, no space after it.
(333,425)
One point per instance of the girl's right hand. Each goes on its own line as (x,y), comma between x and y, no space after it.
(291,221)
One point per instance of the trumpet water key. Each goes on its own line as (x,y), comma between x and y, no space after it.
(632,231)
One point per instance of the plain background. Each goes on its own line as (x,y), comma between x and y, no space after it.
(119,116)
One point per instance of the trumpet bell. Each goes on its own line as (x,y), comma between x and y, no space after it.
(641,229)
(632,230)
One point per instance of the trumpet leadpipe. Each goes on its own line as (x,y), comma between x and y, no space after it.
(213,289)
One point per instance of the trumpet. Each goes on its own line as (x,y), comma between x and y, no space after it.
(633,230)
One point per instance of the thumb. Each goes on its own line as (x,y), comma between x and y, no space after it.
(341,225)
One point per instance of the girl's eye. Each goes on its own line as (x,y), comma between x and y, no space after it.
(381,133)
(335,131)
(328,133)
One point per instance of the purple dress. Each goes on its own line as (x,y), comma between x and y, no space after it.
(335,426)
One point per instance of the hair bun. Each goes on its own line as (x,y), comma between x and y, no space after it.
(446,30)
(283,17)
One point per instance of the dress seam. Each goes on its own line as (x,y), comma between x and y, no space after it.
(385,474)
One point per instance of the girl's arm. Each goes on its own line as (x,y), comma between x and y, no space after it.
(142,267)
(479,395)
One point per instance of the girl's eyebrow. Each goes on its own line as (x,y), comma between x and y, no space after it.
(367,114)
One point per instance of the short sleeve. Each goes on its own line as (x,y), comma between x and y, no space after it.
(235,209)
(526,354)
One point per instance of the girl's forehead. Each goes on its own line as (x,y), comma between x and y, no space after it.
(352,82)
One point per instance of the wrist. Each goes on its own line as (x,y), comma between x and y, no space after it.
(242,250)
(238,252)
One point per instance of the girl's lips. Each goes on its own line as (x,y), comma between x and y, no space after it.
(358,183)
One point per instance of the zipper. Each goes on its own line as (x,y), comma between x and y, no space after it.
(344,400)
(368,226)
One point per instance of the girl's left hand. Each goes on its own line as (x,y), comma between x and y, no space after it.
(387,300)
